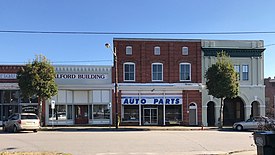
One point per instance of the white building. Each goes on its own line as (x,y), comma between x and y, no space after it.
(248,59)
(84,96)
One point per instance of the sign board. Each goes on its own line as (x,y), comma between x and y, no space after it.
(53,104)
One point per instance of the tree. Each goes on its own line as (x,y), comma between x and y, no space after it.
(222,81)
(37,78)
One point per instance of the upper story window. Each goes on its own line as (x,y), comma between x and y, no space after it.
(157,72)
(237,69)
(129,71)
(157,50)
(129,50)
(184,50)
(245,71)
(185,72)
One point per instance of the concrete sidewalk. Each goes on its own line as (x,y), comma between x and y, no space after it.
(127,128)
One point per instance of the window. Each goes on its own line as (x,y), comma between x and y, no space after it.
(131,113)
(237,69)
(185,72)
(129,72)
(245,72)
(184,50)
(11,96)
(157,71)
(101,112)
(157,50)
(129,50)
(173,114)
(59,112)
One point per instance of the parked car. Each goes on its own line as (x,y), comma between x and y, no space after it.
(252,123)
(21,121)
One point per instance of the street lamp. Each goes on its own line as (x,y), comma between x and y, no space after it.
(107,45)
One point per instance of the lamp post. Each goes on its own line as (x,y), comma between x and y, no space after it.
(107,45)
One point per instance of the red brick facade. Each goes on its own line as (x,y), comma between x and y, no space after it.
(170,56)
(269,96)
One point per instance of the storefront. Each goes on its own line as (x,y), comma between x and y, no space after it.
(11,100)
(151,108)
(84,96)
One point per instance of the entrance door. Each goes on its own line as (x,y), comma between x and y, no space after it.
(150,116)
(81,114)
(192,114)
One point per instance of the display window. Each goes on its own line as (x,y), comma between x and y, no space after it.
(101,112)
(60,112)
(173,114)
(131,113)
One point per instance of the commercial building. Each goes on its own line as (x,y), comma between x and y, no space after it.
(248,60)
(159,81)
(10,99)
(84,96)
(270,96)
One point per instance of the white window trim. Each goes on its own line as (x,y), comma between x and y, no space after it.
(246,72)
(184,63)
(129,47)
(157,63)
(183,49)
(155,49)
(129,63)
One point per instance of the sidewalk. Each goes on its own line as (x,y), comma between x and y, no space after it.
(126,128)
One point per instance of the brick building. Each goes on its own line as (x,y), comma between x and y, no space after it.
(270,96)
(159,81)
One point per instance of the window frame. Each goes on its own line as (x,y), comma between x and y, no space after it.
(152,72)
(183,52)
(190,71)
(244,72)
(156,50)
(129,50)
(124,72)
(238,71)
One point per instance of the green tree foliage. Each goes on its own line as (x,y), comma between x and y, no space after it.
(222,81)
(37,78)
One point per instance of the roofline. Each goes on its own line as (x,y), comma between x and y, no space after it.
(227,40)
(156,39)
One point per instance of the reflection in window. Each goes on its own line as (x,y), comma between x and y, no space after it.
(245,72)
(59,112)
(101,112)
(173,114)
(131,113)
(185,72)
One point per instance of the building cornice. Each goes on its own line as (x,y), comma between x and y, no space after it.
(234,52)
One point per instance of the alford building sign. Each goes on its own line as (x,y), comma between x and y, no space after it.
(152,100)
(82,76)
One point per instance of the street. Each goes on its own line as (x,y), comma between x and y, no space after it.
(129,142)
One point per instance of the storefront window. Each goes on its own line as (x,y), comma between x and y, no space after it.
(33,99)
(30,109)
(131,113)
(9,110)
(59,113)
(173,114)
(101,112)
(11,96)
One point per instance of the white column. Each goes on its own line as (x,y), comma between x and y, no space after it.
(139,109)
(247,111)
(164,109)
(204,115)
(262,110)
(217,114)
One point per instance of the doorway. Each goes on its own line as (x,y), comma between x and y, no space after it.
(211,113)
(81,114)
(192,114)
(150,116)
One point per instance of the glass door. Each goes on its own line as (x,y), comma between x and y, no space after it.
(150,116)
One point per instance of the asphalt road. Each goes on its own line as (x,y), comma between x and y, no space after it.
(129,142)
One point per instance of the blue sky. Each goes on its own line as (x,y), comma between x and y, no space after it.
(125,16)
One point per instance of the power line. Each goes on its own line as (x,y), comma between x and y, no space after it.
(134,33)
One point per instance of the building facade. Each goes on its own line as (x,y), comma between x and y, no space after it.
(270,96)
(159,81)
(248,60)
(84,96)
(11,100)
